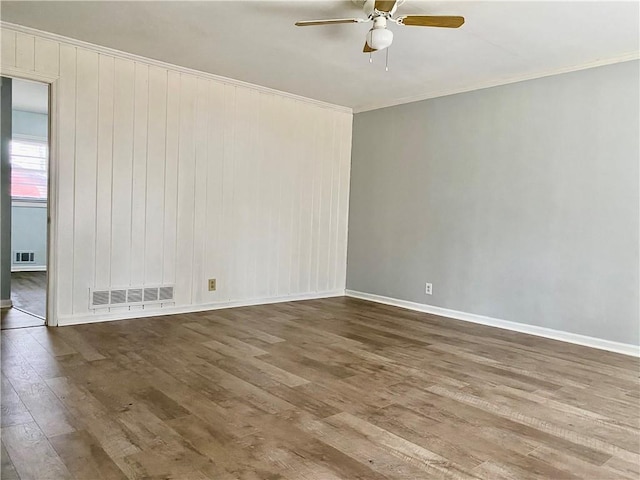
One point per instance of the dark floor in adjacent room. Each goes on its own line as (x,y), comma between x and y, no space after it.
(15,318)
(321,389)
(29,292)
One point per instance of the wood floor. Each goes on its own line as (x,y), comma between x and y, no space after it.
(29,292)
(322,389)
(15,318)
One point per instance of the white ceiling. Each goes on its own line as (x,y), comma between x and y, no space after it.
(29,96)
(257,42)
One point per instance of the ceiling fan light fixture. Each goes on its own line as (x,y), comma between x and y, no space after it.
(379,38)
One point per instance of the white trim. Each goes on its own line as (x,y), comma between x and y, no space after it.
(627,57)
(64,320)
(623,348)
(6,303)
(26,74)
(15,72)
(51,318)
(158,63)
(28,268)
(52,178)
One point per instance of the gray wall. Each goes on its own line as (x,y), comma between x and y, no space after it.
(29,233)
(518,202)
(5,190)
(29,222)
(30,123)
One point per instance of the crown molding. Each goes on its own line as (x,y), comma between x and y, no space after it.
(630,56)
(158,63)
(627,57)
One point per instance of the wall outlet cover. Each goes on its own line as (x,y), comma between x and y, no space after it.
(428,289)
(212,284)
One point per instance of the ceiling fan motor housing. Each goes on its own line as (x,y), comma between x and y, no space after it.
(379,37)
(368,6)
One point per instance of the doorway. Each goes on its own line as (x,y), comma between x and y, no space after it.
(25,202)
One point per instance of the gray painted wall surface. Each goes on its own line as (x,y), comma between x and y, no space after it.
(29,233)
(30,123)
(29,223)
(518,202)
(5,190)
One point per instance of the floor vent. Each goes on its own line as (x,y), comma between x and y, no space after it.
(100,298)
(150,294)
(134,295)
(166,293)
(24,257)
(124,297)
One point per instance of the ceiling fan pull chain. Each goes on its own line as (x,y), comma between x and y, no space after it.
(370,57)
(386,63)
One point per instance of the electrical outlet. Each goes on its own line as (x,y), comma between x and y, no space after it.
(428,289)
(212,284)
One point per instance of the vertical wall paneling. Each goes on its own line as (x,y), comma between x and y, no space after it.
(261,168)
(293,252)
(139,174)
(240,206)
(333,156)
(170,201)
(66,177)
(104,172)
(254,232)
(227,245)
(213,253)
(200,189)
(316,175)
(8,52)
(85,177)
(277,165)
(46,56)
(285,208)
(186,198)
(264,188)
(273,110)
(307,162)
(343,200)
(122,173)
(25,52)
(155,187)
(324,221)
(171,178)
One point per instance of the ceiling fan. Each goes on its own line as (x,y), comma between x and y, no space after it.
(380,12)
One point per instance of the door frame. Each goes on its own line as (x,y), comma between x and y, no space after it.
(51,317)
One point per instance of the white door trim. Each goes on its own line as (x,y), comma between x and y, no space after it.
(52,194)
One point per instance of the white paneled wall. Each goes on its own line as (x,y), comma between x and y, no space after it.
(166,176)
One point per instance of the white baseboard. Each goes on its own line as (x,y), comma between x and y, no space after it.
(64,320)
(28,268)
(6,303)
(623,348)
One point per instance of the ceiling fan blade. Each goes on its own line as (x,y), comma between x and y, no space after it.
(384,5)
(431,21)
(306,23)
(368,49)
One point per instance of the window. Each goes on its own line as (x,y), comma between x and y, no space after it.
(29,169)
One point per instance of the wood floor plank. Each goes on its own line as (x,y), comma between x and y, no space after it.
(31,453)
(322,389)
(576,437)
(84,457)
(45,408)
(7,469)
(14,411)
